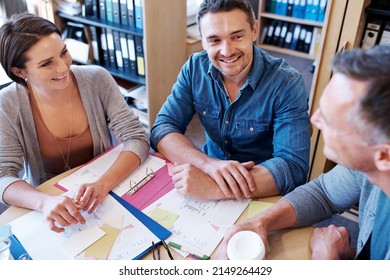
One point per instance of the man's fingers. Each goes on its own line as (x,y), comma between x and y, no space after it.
(231,180)
(244,180)
(222,185)
(248,165)
(244,169)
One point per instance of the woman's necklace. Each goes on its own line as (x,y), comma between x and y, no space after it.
(66,161)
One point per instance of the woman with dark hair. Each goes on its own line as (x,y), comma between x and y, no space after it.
(56,116)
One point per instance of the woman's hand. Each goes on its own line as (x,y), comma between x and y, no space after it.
(90,195)
(61,211)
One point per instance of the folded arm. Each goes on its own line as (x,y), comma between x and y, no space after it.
(199,176)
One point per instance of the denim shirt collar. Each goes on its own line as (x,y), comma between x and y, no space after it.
(254,75)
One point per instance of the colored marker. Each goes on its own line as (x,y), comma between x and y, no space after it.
(189,251)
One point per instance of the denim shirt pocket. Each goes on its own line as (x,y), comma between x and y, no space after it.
(251,132)
(209,117)
(206,110)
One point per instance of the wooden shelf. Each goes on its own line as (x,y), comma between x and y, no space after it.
(193,45)
(265,18)
(286,51)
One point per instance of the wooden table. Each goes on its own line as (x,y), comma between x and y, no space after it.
(289,244)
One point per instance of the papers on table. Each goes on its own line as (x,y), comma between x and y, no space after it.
(109,218)
(197,225)
(93,170)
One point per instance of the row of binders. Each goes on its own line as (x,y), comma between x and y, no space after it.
(127,13)
(304,9)
(292,36)
(118,51)
(377,31)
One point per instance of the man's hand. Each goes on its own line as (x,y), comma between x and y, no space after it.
(192,182)
(232,177)
(330,243)
(60,211)
(249,225)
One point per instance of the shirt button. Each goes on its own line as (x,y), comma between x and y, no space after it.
(229,155)
(226,141)
(204,113)
(251,129)
(226,122)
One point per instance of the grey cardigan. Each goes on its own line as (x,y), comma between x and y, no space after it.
(107,112)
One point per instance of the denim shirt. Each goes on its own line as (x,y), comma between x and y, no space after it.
(335,192)
(268,122)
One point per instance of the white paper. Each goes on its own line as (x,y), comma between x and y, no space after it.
(78,50)
(43,244)
(96,168)
(201,225)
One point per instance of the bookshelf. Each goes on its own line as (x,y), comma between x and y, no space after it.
(377,27)
(344,30)
(292,27)
(163,37)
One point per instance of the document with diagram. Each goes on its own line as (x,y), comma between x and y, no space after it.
(195,224)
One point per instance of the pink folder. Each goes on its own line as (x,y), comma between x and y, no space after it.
(158,186)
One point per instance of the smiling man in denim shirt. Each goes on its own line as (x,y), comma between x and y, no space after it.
(252,106)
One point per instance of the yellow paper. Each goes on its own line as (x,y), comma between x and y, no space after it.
(163,217)
(101,248)
(256,207)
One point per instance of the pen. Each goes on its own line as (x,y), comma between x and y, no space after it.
(189,251)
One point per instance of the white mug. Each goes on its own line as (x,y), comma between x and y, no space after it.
(5,244)
(246,245)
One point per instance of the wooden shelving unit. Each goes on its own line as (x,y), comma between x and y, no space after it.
(265,18)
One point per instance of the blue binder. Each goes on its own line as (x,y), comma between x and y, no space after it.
(160,231)
(138,10)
